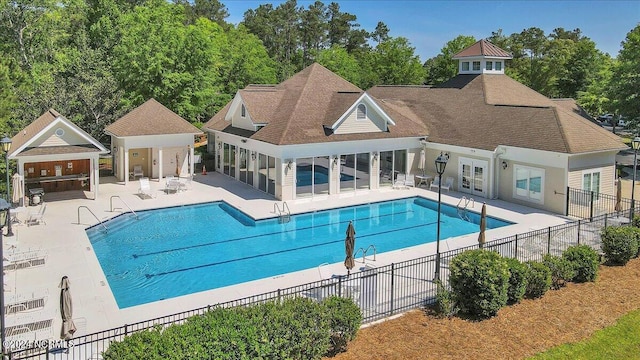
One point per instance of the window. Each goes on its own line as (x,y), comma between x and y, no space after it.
(489,65)
(476,65)
(591,180)
(465,66)
(498,65)
(529,184)
(361,113)
(243,111)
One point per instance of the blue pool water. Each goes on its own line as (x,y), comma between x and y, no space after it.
(321,176)
(182,250)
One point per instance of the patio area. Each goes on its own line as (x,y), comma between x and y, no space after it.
(69,252)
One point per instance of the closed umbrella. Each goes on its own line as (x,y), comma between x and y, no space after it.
(422,160)
(483,225)
(618,196)
(18,192)
(349,245)
(66,310)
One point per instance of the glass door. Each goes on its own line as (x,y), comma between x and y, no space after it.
(472,177)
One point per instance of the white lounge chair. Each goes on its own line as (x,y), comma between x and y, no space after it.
(145,188)
(25,302)
(448,183)
(410,180)
(37,217)
(137,171)
(400,181)
(172,185)
(23,260)
(435,183)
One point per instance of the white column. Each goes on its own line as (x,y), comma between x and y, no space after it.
(160,173)
(191,156)
(125,169)
(96,177)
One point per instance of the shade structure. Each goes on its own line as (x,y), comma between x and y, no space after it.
(66,310)
(483,225)
(422,161)
(349,245)
(618,206)
(18,191)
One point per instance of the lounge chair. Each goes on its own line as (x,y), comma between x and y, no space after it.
(410,180)
(172,185)
(25,302)
(22,329)
(23,260)
(435,183)
(145,188)
(37,217)
(400,181)
(448,183)
(137,171)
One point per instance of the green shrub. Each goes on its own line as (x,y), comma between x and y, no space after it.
(584,261)
(345,319)
(538,279)
(445,305)
(517,280)
(140,345)
(620,243)
(561,270)
(636,221)
(479,280)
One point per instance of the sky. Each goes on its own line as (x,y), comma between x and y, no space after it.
(430,24)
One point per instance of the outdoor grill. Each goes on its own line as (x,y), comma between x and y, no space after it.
(35,196)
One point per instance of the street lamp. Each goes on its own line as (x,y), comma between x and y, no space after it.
(441,164)
(635,144)
(6,146)
(4,215)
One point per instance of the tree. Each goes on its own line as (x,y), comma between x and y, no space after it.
(625,81)
(395,63)
(381,33)
(442,67)
(313,31)
(338,60)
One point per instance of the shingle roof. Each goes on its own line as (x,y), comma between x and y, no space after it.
(34,128)
(298,110)
(483,48)
(484,111)
(58,150)
(151,118)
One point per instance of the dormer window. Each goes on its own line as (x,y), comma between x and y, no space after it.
(243,111)
(465,66)
(489,65)
(361,113)
(476,65)
(498,65)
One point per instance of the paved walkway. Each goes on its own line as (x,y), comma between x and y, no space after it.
(70,253)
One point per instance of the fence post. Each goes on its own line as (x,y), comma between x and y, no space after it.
(516,255)
(566,212)
(340,286)
(591,206)
(393,265)
(278,295)
(126,329)
(578,232)
(549,241)
(605,220)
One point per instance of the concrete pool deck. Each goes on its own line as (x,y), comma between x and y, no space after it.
(70,253)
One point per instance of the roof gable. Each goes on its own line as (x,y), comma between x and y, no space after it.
(150,118)
(52,130)
(483,48)
(376,119)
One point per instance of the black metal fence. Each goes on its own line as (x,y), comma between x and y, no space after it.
(379,291)
(585,204)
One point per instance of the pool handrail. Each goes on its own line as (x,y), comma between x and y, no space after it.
(125,204)
(94,215)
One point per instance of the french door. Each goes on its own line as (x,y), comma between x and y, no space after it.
(472,176)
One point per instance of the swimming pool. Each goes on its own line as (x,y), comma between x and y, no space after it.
(182,250)
(320,176)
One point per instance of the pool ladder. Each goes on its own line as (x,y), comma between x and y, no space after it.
(94,215)
(125,204)
(364,252)
(284,214)
(462,206)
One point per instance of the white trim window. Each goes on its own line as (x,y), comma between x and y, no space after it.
(243,111)
(361,112)
(528,184)
(489,65)
(498,65)
(591,180)
(476,65)
(465,66)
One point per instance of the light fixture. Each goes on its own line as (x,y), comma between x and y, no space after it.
(4,216)
(335,160)
(289,164)
(375,156)
(635,145)
(244,140)
(441,164)
(219,145)
(504,164)
(253,155)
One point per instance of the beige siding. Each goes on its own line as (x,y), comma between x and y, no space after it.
(554,192)
(70,137)
(242,122)
(607,178)
(373,123)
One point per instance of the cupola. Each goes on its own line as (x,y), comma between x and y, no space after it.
(482,58)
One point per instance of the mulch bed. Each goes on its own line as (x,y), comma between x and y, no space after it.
(570,314)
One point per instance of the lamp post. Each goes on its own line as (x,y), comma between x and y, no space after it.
(441,164)
(635,144)
(6,146)
(4,215)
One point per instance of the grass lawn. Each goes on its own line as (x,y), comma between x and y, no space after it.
(582,314)
(620,341)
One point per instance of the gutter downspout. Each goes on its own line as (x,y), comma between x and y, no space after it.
(497,153)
